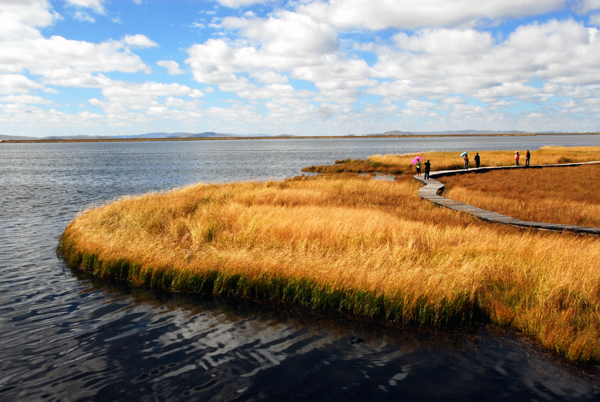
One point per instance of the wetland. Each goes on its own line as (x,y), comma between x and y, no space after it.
(73,337)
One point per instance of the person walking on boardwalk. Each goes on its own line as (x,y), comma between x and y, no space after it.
(466,161)
(527,157)
(418,166)
(517,158)
(427,169)
(477,160)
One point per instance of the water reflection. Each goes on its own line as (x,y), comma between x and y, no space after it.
(190,347)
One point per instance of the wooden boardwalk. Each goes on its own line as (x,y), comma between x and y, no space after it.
(433,188)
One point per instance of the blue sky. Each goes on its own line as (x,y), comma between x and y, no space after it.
(121,67)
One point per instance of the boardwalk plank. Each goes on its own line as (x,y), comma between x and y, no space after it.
(433,187)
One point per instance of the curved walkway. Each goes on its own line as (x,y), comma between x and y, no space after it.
(433,187)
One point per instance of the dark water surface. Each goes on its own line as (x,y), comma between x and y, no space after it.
(68,337)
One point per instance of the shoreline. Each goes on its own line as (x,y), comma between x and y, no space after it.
(32,141)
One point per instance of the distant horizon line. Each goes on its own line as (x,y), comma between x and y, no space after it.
(179,136)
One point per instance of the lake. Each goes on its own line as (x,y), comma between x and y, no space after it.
(66,336)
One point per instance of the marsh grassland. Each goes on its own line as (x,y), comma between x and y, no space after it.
(396,164)
(567,195)
(354,244)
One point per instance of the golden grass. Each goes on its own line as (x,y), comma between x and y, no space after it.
(352,244)
(360,166)
(567,195)
(396,164)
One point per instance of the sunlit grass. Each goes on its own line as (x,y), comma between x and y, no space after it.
(567,195)
(352,244)
(396,164)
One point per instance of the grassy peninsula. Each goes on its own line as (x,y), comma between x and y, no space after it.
(351,243)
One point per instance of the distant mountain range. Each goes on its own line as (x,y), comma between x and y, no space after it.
(159,135)
(210,134)
(16,137)
(456,132)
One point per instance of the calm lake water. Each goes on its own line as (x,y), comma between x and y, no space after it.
(68,337)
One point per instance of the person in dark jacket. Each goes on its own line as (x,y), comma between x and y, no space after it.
(427,169)
(527,156)
(477,160)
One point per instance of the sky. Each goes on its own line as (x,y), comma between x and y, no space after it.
(300,67)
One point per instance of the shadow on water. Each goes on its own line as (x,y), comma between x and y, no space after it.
(356,329)
(253,350)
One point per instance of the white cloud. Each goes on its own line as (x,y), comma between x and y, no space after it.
(83,16)
(585,6)
(446,42)
(32,116)
(217,62)
(415,104)
(560,51)
(197,25)
(67,77)
(131,100)
(464,110)
(281,46)
(268,77)
(505,90)
(19,19)
(557,51)
(409,14)
(25,99)
(428,63)
(47,57)
(139,40)
(453,100)
(276,92)
(595,20)
(241,3)
(138,95)
(96,5)
(333,68)
(24,48)
(171,66)
(502,104)
(287,33)
(572,91)
(16,83)
(363,47)
(214,62)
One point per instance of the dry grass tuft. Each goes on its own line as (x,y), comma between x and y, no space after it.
(352,244)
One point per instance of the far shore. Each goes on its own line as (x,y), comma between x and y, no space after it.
(282,137)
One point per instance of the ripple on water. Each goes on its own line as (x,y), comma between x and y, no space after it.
(66,337)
